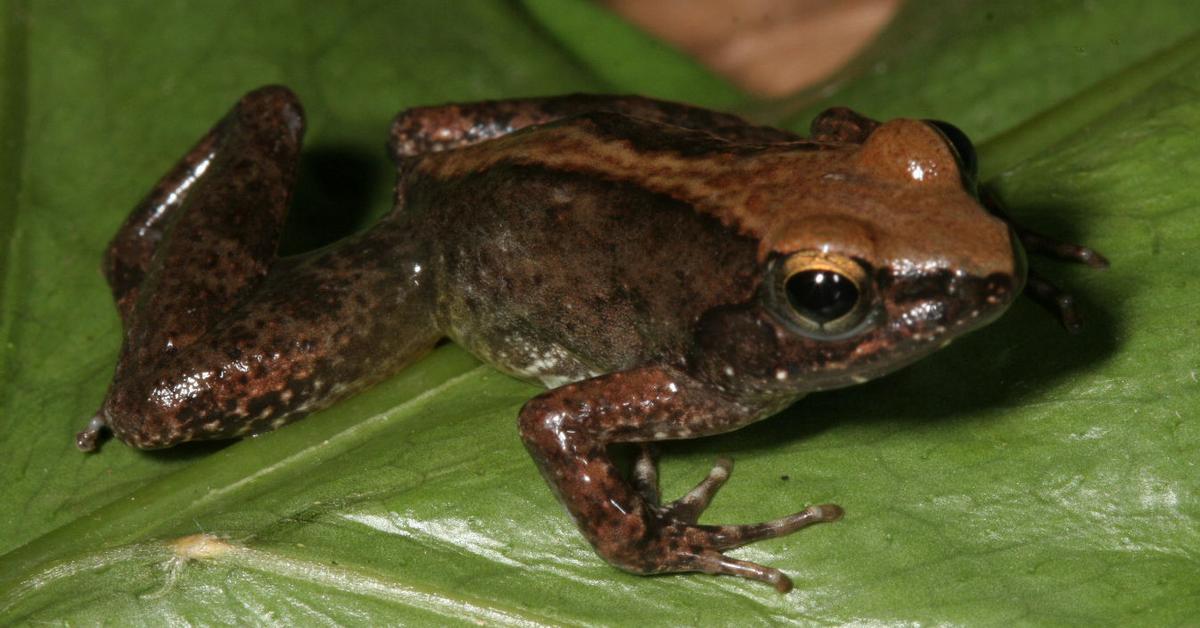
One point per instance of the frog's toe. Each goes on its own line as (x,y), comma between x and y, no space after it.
(716,563)
(691,547)
(87,439)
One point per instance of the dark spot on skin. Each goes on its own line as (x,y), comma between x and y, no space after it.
(185,414)
(299,388)
(267,401)
(637,266)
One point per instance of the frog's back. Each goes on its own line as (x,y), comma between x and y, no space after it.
(554,272)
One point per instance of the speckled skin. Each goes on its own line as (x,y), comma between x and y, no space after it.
(623,251)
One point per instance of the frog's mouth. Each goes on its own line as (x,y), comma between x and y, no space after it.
(916,317)
(926,314)
(944,302)
(909,317)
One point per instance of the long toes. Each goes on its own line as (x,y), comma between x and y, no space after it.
(717,563)
(687,509)
(731,536)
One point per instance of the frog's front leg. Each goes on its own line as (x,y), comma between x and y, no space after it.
(1043,291)
(567,431)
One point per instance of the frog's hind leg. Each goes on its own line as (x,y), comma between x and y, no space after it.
(204,237)
(127,258)
(323,327)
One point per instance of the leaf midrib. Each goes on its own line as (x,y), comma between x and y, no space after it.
(26,562)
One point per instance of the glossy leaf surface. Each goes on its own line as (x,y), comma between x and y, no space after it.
(1021,475)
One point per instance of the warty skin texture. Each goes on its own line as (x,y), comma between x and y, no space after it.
(634,256)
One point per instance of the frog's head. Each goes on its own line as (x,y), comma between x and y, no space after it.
(884,256)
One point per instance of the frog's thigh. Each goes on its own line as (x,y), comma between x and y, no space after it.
(190,271)
(223,239)
(129,252)
(316,332)
(269,123)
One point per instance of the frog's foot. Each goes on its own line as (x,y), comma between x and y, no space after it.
(86,440)
(1038,288)
(706,542)
(686,509)
(1044,292)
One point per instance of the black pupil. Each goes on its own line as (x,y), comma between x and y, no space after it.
(961,144)
(821,295)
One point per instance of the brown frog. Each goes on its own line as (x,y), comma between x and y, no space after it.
(668,271)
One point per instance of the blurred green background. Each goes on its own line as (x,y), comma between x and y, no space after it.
(1020,476)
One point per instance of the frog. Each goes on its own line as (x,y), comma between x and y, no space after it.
(665,271)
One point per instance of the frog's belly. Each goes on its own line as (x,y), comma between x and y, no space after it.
(556,277)
(526,357)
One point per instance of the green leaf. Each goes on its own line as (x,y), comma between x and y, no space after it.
(1021,475)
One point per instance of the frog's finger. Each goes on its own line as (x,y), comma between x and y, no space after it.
(1040,244)
(687,509)
(645,474)
(1053,298)
(731,536)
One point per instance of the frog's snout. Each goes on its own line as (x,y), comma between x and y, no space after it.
(948,304)
(998,290)
(982,300)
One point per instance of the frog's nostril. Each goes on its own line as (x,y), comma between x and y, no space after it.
(998,289)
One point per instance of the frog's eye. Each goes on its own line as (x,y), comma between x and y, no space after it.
(962,146)
(824,295)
